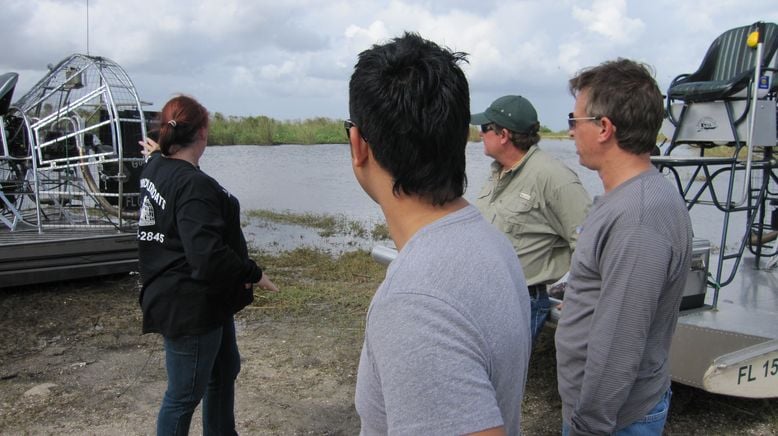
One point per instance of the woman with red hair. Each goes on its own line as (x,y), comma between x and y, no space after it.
(195,270)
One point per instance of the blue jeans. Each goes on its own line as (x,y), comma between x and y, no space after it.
(652,424)
(200,367)
(540,306)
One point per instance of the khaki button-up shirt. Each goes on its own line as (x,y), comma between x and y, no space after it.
(539,204)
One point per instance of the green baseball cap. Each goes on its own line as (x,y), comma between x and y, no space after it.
(513,112)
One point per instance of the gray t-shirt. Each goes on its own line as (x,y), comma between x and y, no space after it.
(447,341)
(621,305)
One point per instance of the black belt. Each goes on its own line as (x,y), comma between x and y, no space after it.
(535,289)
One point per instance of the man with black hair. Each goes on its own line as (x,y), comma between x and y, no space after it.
(630,266)
(447,338)
(537,201)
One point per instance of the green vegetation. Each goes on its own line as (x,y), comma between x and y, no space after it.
(261,130)
(380,232)
(547,133)
(313,281)
(475,134)
(562,134)
(328,225)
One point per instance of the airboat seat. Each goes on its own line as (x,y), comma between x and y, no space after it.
(7,85)
(728,67)
(723,102)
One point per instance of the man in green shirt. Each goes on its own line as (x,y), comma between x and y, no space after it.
(537,201)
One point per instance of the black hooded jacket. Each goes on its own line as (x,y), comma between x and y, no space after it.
(193,256)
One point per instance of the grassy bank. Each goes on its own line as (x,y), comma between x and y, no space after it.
(313,280)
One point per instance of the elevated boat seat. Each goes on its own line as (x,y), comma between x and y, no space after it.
(730,100)
(7,85)
(728,67)
(718,103)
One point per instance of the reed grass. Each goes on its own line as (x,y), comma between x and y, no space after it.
(262,130)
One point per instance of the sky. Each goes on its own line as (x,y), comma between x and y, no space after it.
(292,59)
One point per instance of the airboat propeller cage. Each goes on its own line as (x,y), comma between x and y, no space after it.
(69,169)
(84,115)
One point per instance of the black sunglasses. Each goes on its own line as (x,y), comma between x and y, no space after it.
(487,127)
(348,124)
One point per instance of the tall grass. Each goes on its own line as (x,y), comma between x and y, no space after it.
(262,130)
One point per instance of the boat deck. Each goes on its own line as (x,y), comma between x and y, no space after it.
(753,291)
(744,319)
(55,254)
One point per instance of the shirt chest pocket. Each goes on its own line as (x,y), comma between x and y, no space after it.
(518,213)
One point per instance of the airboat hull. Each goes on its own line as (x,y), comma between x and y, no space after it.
(29,257)
(751,372)
(727,350)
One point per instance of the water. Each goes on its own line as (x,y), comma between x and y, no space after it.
(318,179)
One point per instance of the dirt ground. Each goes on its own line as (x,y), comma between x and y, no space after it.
(73,362)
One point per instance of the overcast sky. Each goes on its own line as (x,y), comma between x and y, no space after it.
(291,59)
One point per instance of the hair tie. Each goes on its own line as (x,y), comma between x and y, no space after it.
(172,123)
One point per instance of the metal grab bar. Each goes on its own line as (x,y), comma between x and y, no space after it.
(752,120)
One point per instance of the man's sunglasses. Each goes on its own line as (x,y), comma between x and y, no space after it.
(571,120)
(487,127)
(348,124)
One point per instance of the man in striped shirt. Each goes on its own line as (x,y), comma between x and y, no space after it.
(630,264)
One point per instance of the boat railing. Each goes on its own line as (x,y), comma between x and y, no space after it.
(69,152)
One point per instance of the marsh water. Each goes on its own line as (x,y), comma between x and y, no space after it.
(318,179)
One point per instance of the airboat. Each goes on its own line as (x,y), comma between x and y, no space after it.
(727,336)
(69,169)
(726,340)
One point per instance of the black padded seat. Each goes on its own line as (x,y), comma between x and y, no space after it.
(727,68)
(7,85)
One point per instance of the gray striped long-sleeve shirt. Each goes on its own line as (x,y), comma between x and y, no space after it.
(621,305)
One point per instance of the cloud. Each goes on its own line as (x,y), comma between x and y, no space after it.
(568,57)
(367,36)
(608,18)
(294,58)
